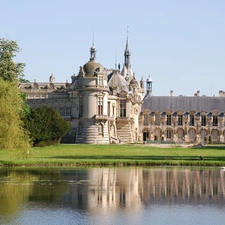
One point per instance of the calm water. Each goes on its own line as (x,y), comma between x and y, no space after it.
(112,196)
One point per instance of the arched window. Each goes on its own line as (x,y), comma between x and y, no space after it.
(180,133)
(215,135)
(168,134)
(191,134)
(157,134)
(203,135)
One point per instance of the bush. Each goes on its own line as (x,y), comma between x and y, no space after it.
(46,126)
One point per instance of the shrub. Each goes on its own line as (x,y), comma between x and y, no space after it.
(46,126)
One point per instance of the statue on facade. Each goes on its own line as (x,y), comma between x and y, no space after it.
(52,78)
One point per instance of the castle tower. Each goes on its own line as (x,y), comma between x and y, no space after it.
(93,96)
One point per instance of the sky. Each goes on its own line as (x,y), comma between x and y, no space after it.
(179,43)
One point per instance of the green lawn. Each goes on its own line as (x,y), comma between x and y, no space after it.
(117,155)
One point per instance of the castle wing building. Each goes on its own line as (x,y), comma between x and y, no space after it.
(103,105)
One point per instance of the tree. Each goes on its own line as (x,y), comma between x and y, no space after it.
(9,70)
(46,126)
(12,101)
(12,133)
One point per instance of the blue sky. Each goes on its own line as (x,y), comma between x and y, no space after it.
(180,43)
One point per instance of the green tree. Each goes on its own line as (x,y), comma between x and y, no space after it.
(46,126)
(12,101)
(12,133)
(9,70)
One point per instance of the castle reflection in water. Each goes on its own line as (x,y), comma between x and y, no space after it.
(138,187)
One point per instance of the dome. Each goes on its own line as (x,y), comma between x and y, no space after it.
(133,82)
(91,67)
(117,80)
(149,79)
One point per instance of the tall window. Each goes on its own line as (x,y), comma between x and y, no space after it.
(146,119)
(100,105)
(168,121)
(192,120)
(122,108)
(157,119)
(81,106)
(191,135)
(215,135)
(180,134)
(203,134)
(215,121)
(180,120)
(100,80)
(109,109)
(203,120)
(168,134)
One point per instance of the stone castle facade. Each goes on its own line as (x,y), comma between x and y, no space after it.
(111,106)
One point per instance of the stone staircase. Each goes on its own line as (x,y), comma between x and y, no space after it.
(124,131)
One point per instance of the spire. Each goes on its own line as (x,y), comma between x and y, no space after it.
(116,59)
(127,53)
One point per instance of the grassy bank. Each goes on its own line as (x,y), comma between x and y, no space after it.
(117,155)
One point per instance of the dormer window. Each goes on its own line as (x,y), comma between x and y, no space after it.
(168,121)
(215,121)
(180,120)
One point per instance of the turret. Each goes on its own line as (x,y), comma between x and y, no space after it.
(149,85)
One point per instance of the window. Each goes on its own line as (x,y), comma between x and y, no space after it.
(62,111)
(100,80)
(180,120)
(215,121)
(100,129)
(192,135)
(192,120)
(81,106)
(157,119)
(65,111)
(215,135)
(203,134)
(100,106)
(108,108)
(203,120)
(168,134)
(180,134)
(113,111)
(146,119)
(168,121)
(122,108)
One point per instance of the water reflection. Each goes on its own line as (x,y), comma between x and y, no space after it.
(106,191)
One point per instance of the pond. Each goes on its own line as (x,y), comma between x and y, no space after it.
(113,195)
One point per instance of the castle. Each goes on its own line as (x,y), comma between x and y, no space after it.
(111,106)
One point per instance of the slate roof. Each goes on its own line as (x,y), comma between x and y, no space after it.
(184,103)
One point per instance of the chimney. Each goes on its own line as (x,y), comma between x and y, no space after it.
(198,93)
(171,93)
